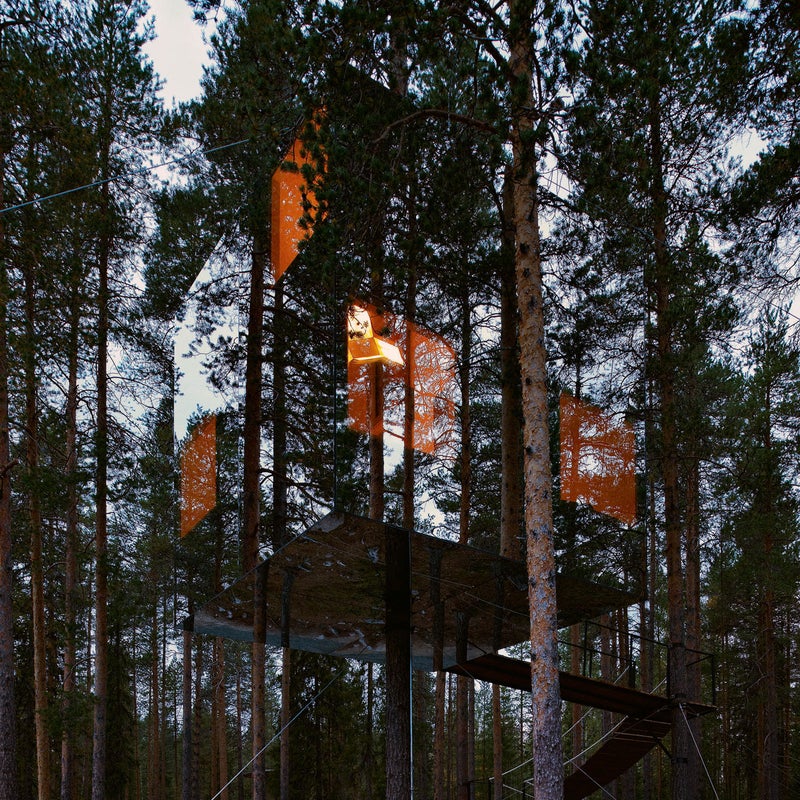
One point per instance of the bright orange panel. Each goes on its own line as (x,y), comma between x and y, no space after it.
(435,390)
(597,460)
(199,474)
(289,195)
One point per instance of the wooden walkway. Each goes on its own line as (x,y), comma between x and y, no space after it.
(647,720)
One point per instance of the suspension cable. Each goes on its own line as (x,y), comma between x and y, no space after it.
(278,734)
(699,754)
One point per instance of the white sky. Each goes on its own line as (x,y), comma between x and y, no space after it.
(178,52)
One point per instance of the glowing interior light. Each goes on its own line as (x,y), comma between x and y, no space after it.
(363,347)
(412,358)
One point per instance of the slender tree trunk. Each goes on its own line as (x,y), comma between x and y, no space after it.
(511,419)
(693,624)
(649,567)
(280,533)
(251,501)
(661,284)
(497,743)
(154,732)
(197,720)
(511,486)
(8,711)
(70,556)
(186,785)
(769,771)
(239,742)
(35,517)
(368,754)
(101,503)
(137,784)
(545,695)
(164,714)
(462,682)
(220,704)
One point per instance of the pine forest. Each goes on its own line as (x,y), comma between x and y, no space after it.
(413,414)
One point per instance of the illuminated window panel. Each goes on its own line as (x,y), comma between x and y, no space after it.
(199,474)
(363,346)
(290,200)
(407,353)
(597,460)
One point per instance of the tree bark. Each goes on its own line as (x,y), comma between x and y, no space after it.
(154,732)
(220,718)
(101,502)
(35,517)
(511,486)
(280,533)
(197,721)
(693,622)
(8,712)
(186,753)
(769,771)
(545,696)
(251,499)
(463,683)
(662,288)
(511,420)
(71,547)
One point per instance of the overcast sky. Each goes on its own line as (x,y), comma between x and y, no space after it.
(178,52)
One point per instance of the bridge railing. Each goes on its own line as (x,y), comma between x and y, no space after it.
(626,657)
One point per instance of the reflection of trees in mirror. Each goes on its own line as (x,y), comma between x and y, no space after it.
(199,473)
(208,338)
(597,460)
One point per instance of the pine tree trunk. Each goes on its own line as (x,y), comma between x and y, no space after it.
(693,623)
(280,533)
(649,570)
(545,696)
(511,486)
(186,752)
(369,755)
(661,286)
(511,421)
(239,742)
(463,683)
(440,737)
(70,555)
(769,772)
(8,711)
(101,504)
(197,721)
(154,732)
(251,501)
(137,790)
(35,517)
(221,727)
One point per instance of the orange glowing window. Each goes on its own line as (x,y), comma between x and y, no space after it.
(597,460)
(363,346)
(199,474)
(291,199)
(409,355)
